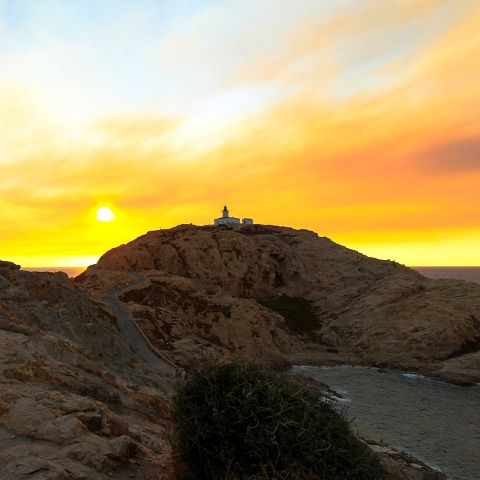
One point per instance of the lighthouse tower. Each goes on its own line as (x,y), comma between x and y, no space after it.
(226,218)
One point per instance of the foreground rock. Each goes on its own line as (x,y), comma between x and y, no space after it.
(275,294)
(75,403)
(401,466)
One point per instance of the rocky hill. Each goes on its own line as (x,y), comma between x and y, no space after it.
(276,294)
(85,393)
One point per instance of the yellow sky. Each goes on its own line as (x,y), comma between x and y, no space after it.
(358,120)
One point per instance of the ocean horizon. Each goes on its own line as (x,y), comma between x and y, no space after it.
(70,271)
(470,274)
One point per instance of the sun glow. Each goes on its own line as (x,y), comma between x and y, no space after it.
(105,214)
(354,121)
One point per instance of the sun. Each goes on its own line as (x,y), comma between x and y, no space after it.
(105,214)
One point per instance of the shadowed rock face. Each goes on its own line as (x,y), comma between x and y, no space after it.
(51,302)
(214,284)
(74,403)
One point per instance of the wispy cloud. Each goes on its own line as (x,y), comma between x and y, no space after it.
(461,155)
(355,119)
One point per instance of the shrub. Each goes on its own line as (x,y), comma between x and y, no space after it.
(234,421)
(299,313)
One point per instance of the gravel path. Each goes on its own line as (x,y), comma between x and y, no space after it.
(130,329)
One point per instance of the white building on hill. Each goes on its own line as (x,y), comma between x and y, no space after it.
(226,218)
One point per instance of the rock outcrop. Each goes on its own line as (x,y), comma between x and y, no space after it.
(280,293)
(75,402)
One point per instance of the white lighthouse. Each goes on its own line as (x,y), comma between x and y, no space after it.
(227,219)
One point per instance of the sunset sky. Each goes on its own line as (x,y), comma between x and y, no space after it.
(359,120)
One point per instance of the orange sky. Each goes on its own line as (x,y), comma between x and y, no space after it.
(358,120)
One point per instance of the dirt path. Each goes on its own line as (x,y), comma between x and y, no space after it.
(130,328)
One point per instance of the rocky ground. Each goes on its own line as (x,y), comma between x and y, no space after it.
(75,401)
(80,402)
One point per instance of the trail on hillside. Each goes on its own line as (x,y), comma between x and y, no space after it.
(131,330)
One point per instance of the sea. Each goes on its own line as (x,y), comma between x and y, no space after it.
(471,274)
(436,422)
(70,271)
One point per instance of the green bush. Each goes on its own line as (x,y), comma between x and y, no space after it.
(234,421)
(299,313)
